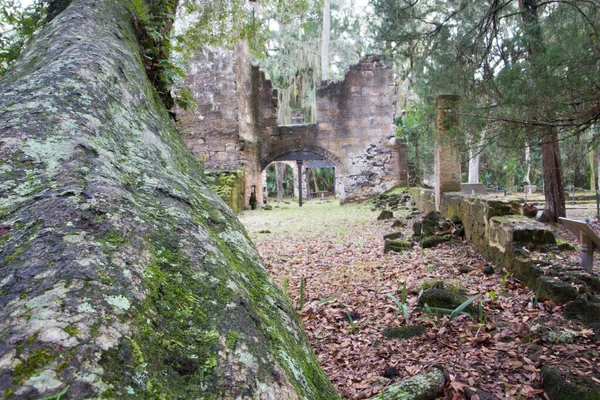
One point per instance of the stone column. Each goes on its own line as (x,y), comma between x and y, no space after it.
(447,153)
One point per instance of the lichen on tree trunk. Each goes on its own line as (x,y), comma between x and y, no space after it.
(121,274)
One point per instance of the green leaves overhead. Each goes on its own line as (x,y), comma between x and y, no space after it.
(480,49)
(224,22)
(17,25)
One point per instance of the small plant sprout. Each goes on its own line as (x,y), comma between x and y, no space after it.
(401,304)
(326,300)
(535,299)
(353,327)
(453,313)
(286,286)
(503,283)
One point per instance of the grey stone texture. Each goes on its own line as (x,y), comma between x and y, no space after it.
(234,125)
(496,230)
(447,153)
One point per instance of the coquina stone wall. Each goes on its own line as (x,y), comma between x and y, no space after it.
(235,107)
(498,231)
(234,125)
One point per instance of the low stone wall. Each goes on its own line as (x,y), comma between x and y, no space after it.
(497,230)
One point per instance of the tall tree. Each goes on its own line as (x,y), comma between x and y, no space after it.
(554,190)
(121,273)
(325,38)
(490,51)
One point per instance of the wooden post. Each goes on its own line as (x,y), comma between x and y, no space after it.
(299,162)
(447,153)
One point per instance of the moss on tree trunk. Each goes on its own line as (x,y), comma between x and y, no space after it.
(122,275)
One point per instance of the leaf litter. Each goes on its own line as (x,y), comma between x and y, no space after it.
(348,284)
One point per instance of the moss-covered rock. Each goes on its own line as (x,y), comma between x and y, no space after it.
(442,298)
(560,387)
(396,245)
(431,223)
(565,246)
(404,332)
(585,309)
(123,274)
(393,236)
(428,386)
(431,241)
(385,214)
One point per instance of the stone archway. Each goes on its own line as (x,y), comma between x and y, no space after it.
(300,154)
(237,128)
(282,151)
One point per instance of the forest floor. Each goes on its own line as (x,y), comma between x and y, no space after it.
(338,252)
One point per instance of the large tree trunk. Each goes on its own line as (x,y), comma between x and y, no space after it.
(551,164)
(121,274)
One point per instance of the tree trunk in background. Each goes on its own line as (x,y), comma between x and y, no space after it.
(591,159)
(326,35)
(527,178)
(475,150)
(551,165)
(554,190)
(279,177)
(122,275)
(314,175)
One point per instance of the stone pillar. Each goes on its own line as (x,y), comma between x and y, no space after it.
(447,153)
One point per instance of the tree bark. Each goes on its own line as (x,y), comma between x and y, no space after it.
(554,190)
(122,275)
(551,164)
(325,39)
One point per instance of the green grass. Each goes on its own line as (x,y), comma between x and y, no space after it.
(313,219)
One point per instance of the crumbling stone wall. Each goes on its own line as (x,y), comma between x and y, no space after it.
(354,130)
(497,230)
(234,108)
(235,124)
(212,130)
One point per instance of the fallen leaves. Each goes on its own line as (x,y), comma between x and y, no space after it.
(347,273)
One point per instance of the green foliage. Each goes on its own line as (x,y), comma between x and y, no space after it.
(432,312)
(17,25)
(222,182)
(510,72)
(353,327)
(153,21)
(401,304)
(415,129)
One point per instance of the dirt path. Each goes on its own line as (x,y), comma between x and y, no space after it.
(338,252)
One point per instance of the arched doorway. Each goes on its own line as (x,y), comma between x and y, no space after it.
(320,178)
(318,162)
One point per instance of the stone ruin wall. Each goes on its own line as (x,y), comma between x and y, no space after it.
(359,113)
(355,130)
(234,107)
(235,124)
